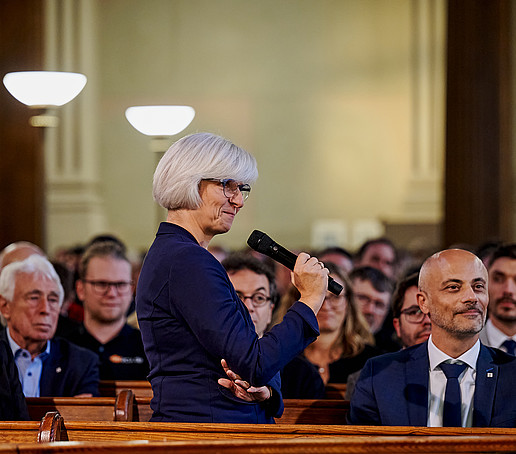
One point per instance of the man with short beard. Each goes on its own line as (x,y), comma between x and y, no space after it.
(500,329)
(417,386)
(106,290)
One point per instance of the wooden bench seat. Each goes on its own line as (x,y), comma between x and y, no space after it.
(109,431)
(18,431)
(53,428)
(252,438)
(349,445)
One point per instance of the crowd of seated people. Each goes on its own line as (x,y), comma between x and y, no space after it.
(65,321)
(57,356)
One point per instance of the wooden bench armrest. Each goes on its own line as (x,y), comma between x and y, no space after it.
(52,428)
(124,405)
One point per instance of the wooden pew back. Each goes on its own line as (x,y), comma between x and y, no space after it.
(118,408)
(142,388)
(297,411)
(111,388)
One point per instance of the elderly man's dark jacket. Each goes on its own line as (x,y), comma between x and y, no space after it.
(12,400)
(69,370)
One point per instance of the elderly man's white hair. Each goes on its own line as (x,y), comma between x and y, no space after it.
(35,264)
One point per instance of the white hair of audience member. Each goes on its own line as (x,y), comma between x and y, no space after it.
(35,264)
(200,156)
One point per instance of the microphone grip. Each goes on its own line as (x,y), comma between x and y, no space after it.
(287,258)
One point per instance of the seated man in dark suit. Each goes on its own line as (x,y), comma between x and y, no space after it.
(30,298)
(416,386)
(12,400)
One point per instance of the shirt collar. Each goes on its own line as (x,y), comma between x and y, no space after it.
(495,336)
(437,356)
(16,348)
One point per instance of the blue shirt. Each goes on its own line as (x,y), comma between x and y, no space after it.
(29,370)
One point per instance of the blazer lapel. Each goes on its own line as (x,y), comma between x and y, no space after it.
(485,386)
(416,391)
(48,373)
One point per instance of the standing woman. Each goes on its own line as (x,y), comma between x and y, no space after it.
(191,319)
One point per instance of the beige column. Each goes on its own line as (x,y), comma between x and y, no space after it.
(424,193)
(74,205)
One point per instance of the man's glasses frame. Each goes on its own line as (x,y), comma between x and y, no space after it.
(413,314)
(102,287)
(257,299)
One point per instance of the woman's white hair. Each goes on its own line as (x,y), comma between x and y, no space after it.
(194,158)
(35,264)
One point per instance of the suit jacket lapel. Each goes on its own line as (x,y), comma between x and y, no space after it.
(417,385)
(48,372)
(485,386)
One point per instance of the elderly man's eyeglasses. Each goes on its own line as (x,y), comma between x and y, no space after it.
(257,299)
(231,188)
(102,287)
(413,314)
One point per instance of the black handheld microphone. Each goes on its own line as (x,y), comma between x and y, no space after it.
(264,244)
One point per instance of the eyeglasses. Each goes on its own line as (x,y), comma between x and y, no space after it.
(334,300)
(413,314)
(365,300)
(102,287)
(257,299)
(231,188)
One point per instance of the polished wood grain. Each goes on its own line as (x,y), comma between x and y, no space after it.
(352,444)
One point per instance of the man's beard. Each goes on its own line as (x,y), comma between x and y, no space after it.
(460,330)
(503,314)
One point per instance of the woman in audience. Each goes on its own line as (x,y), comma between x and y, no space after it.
(194,327)
(345,342)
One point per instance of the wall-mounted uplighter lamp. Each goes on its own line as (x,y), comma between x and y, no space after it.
(44,90)
(160,122)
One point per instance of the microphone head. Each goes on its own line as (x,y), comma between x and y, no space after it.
(259,241)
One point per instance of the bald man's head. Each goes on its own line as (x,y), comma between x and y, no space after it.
(453,291)
(16,252)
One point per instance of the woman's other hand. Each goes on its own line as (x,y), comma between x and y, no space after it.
(242,389)
(310,277)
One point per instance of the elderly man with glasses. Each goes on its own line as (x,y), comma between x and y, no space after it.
(31,295)
(106,290)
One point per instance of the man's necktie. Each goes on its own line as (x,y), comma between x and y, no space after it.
(510,346)
(452,401)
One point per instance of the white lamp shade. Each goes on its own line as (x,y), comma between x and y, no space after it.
(160,120)
(44,88)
